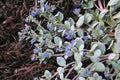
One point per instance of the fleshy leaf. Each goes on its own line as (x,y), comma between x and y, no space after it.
(115,48)
(117,32)
(60,70)
(118,45)
(79,42)
(81,47)
(80,32)
(77,57)
(67,24)
(112,2)
(59,16)
(116,16)
(90,4)
(97,76)
(58,41)
(61,61)
(100,67)
(111,56)
(47,74)
(93,47)
(72,22)
(116,67)
(94,59)
(78,66)
(80,21)
(88,17)
(97,53)
(102,13)
(102,47)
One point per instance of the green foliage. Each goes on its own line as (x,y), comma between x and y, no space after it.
(80,21)
(80,44)
(112,2)
(61,61)
(47,74)
(98,67)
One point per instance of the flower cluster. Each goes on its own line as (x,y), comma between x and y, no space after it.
(68,49)
(35,12)
(69,34)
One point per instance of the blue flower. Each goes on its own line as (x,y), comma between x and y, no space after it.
(85,38)
(36,50)
(107,75)
(76,11)
(33,58)
(46,6)
(60,27)
(51,18)
(46,54)
(73,41)
(69,47)
(32,41)
(27,26)
(26,19)
(53,9)
(35,12)
(46,40)
(35,78)
(58,49)
(68,53)
(69,34)
(83,74)
(49,27)
(23,31)
(90,72)
(101,27)
(19,33)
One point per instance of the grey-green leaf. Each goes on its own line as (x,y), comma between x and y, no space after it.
(93,47)
(80,21)
(67,24)
(78,42)
(94,59)
(102,13)
(117,32)
(72,22)
(99,66)
(80,32)
(59,16)
(77,57)
(78,66)
(97,53)
(112,2)
(111,56)
(115,48)
(47,74)
(60,70)
(61,61)
(58,41)
(102,47)
(88,17)
(118,45)
(116,15)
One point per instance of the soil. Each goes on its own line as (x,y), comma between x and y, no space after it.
(15,57)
